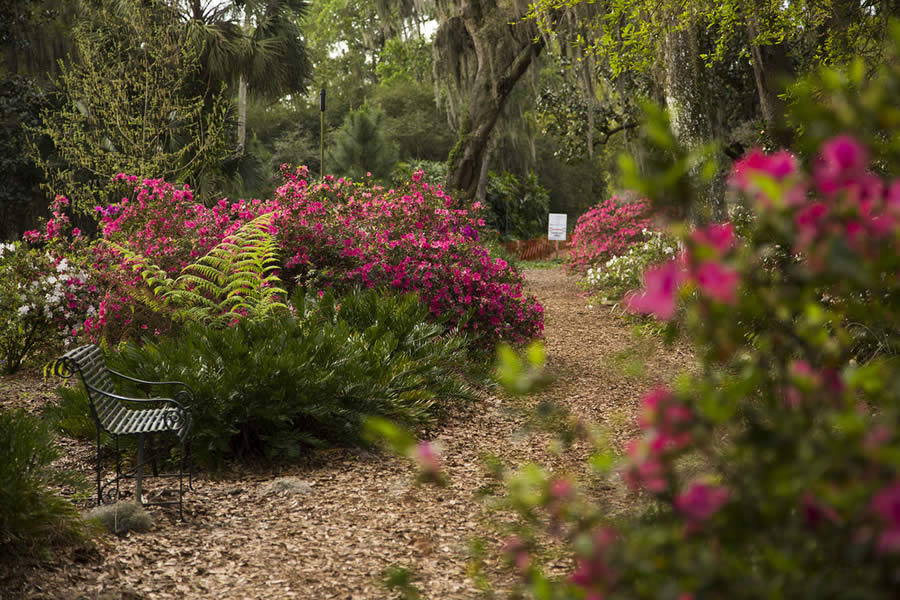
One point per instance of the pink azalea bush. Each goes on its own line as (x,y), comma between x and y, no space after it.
(771,471)
(334,234)
(607,230)
(411,239)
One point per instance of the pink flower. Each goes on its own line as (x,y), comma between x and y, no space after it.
(658,297)
(717,281)
(701,501)
(886,504)
(779,166)
(719,237)
(561,489)
(841,160)
(645,470)
(427,458)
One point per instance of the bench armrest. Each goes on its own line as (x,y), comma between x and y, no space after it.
(190,392)
(181,407)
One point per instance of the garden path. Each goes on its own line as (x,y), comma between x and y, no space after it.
(364,512)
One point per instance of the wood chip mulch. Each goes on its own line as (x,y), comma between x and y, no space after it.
(361,512)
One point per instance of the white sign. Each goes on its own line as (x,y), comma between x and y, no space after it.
(556,227)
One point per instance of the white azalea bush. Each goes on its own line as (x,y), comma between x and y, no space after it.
(43,303)
(610,280)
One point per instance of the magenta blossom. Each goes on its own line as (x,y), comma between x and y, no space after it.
(427,457)
(841,160)
(815,512)
(778,166)
(660,291)
(720,237)
(717,281)
(886,504)
(701,501)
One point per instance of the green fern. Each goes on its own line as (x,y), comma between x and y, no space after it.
(235,279)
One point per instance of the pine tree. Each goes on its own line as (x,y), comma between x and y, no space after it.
(360,146)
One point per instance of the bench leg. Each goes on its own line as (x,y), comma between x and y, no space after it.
(139,493)
(99,470)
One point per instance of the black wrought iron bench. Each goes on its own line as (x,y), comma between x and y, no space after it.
(120,415)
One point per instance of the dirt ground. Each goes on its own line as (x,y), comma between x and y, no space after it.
(361,512)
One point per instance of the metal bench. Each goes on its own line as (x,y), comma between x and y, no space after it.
(120,415)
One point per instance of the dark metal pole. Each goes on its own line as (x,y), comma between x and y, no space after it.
(322,133)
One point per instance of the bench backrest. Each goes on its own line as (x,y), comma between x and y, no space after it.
(88,362)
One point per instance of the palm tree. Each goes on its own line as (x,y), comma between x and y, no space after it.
(253,44)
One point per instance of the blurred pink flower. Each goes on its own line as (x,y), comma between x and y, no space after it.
(717,281)
(719,237)
(778,166)
(660,291)
(701,501)
(886,504)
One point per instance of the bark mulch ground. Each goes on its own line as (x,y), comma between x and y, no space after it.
(361,512)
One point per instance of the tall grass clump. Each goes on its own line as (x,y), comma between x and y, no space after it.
(32,515)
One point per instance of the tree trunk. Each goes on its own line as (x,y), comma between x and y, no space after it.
(481,190)
(686,103)
(242,100)
(771,69)
(242,114)
(501,62)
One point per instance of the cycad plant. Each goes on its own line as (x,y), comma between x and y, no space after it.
(309,377)
(237,278)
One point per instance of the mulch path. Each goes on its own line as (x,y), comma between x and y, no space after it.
(365,512)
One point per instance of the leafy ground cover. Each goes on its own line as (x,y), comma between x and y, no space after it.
(364,512)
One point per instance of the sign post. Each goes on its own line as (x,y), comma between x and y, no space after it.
(322,133)
(556,229)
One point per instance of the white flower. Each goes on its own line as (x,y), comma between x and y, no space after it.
(63,266)
(23,310)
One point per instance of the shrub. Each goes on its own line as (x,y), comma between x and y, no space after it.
(43,301)
(276,385)
(335,234)
(607,230)
(435,172)
(797,489)
(622,273)
(70,414)
(518,208)
(31,515)
(411,239)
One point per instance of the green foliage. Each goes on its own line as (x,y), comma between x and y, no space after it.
(235,279)
(435,171)
(399,580)
(519,208)
(360,146)
(276,385)
(861,98)
(412,120)
(129,105)
(20,105)
(404,60)
(70,414)
(518,376)
(32,516)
